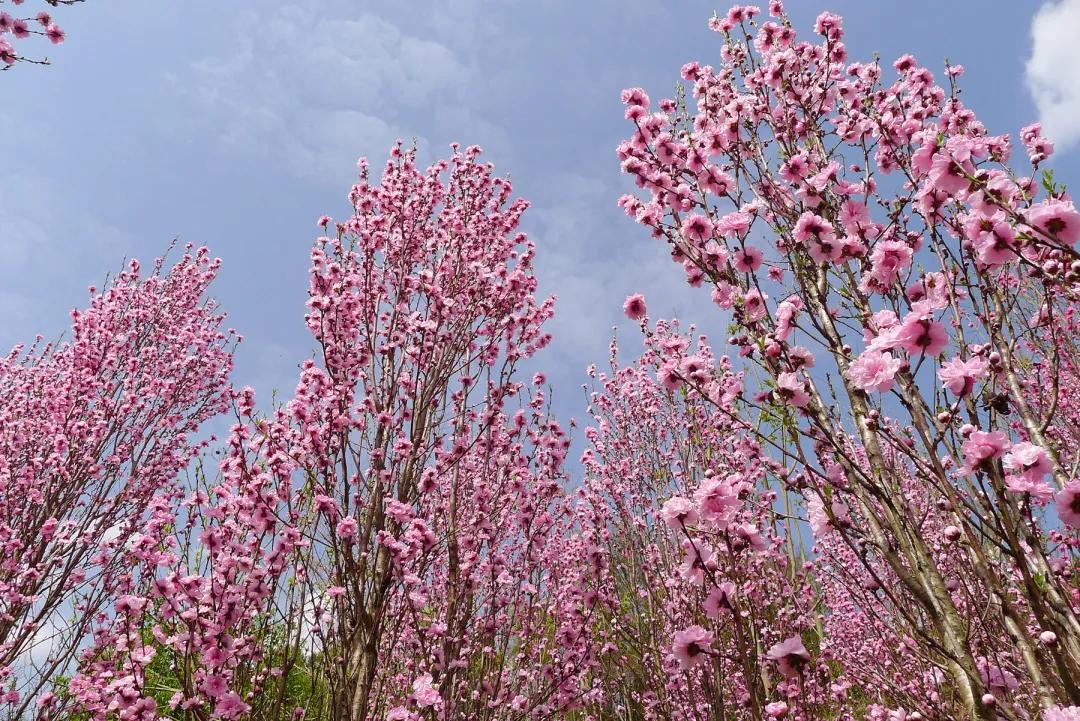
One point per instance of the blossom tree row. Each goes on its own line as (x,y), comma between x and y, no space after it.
(863,503)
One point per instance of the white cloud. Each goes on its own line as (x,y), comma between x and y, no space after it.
(1053,70)
(316,91)
(591,256)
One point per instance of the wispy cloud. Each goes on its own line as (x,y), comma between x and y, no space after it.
(591,256)
(1053,70)
(316,90)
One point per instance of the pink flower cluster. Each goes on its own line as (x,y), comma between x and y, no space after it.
(19,27)
(866,509)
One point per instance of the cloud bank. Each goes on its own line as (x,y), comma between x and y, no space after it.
(1053,70)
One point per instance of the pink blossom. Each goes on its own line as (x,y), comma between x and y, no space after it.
(921,335)
(888,260)
(691,646)
(982,447)
(790,656)
(785,317)
(993,238)
(698,557)
(874,371)
(720,597)
(959,375)
(735,223)
(1058,219)
(424,692)
(1028,460)
(1036,488)
(754,305)
(697,227)
(818,236)
(820,522)
(670,378)
(635,96)
(792,389)
(776,709)
(634,306)
(230,706)
(347,527)
(718,500)
(748,259)
(677,512)
(1067,504)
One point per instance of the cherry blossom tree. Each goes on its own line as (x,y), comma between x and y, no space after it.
(703,596)
(94,431)
(884,270)
(396,535)
(433,515)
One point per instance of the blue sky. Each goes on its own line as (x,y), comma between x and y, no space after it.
(237,128)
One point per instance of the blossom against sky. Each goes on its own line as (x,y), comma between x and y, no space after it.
(239,129)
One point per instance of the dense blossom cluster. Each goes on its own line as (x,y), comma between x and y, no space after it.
(894,284)
(20,23)
(702,604)
(94,433)
(867,510)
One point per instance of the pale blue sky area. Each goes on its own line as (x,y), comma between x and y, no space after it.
(237,124)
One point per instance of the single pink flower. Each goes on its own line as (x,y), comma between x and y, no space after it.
(1068,504)
(754,304)
(720,597)
(425,693)
(347,527)
(697,227)
(776,709)
(698,558)
(922,335)
(1028,460)
(748,259)
(718,501)
(669,377)
(790,656)
(230,706)
(959,375)
(792,389)
(982,447)
(785,317)
(888,260)
(691,646)
(1037,489)
(634,306)
(735,223)
(677,512)
(874,371)
(1056,218)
